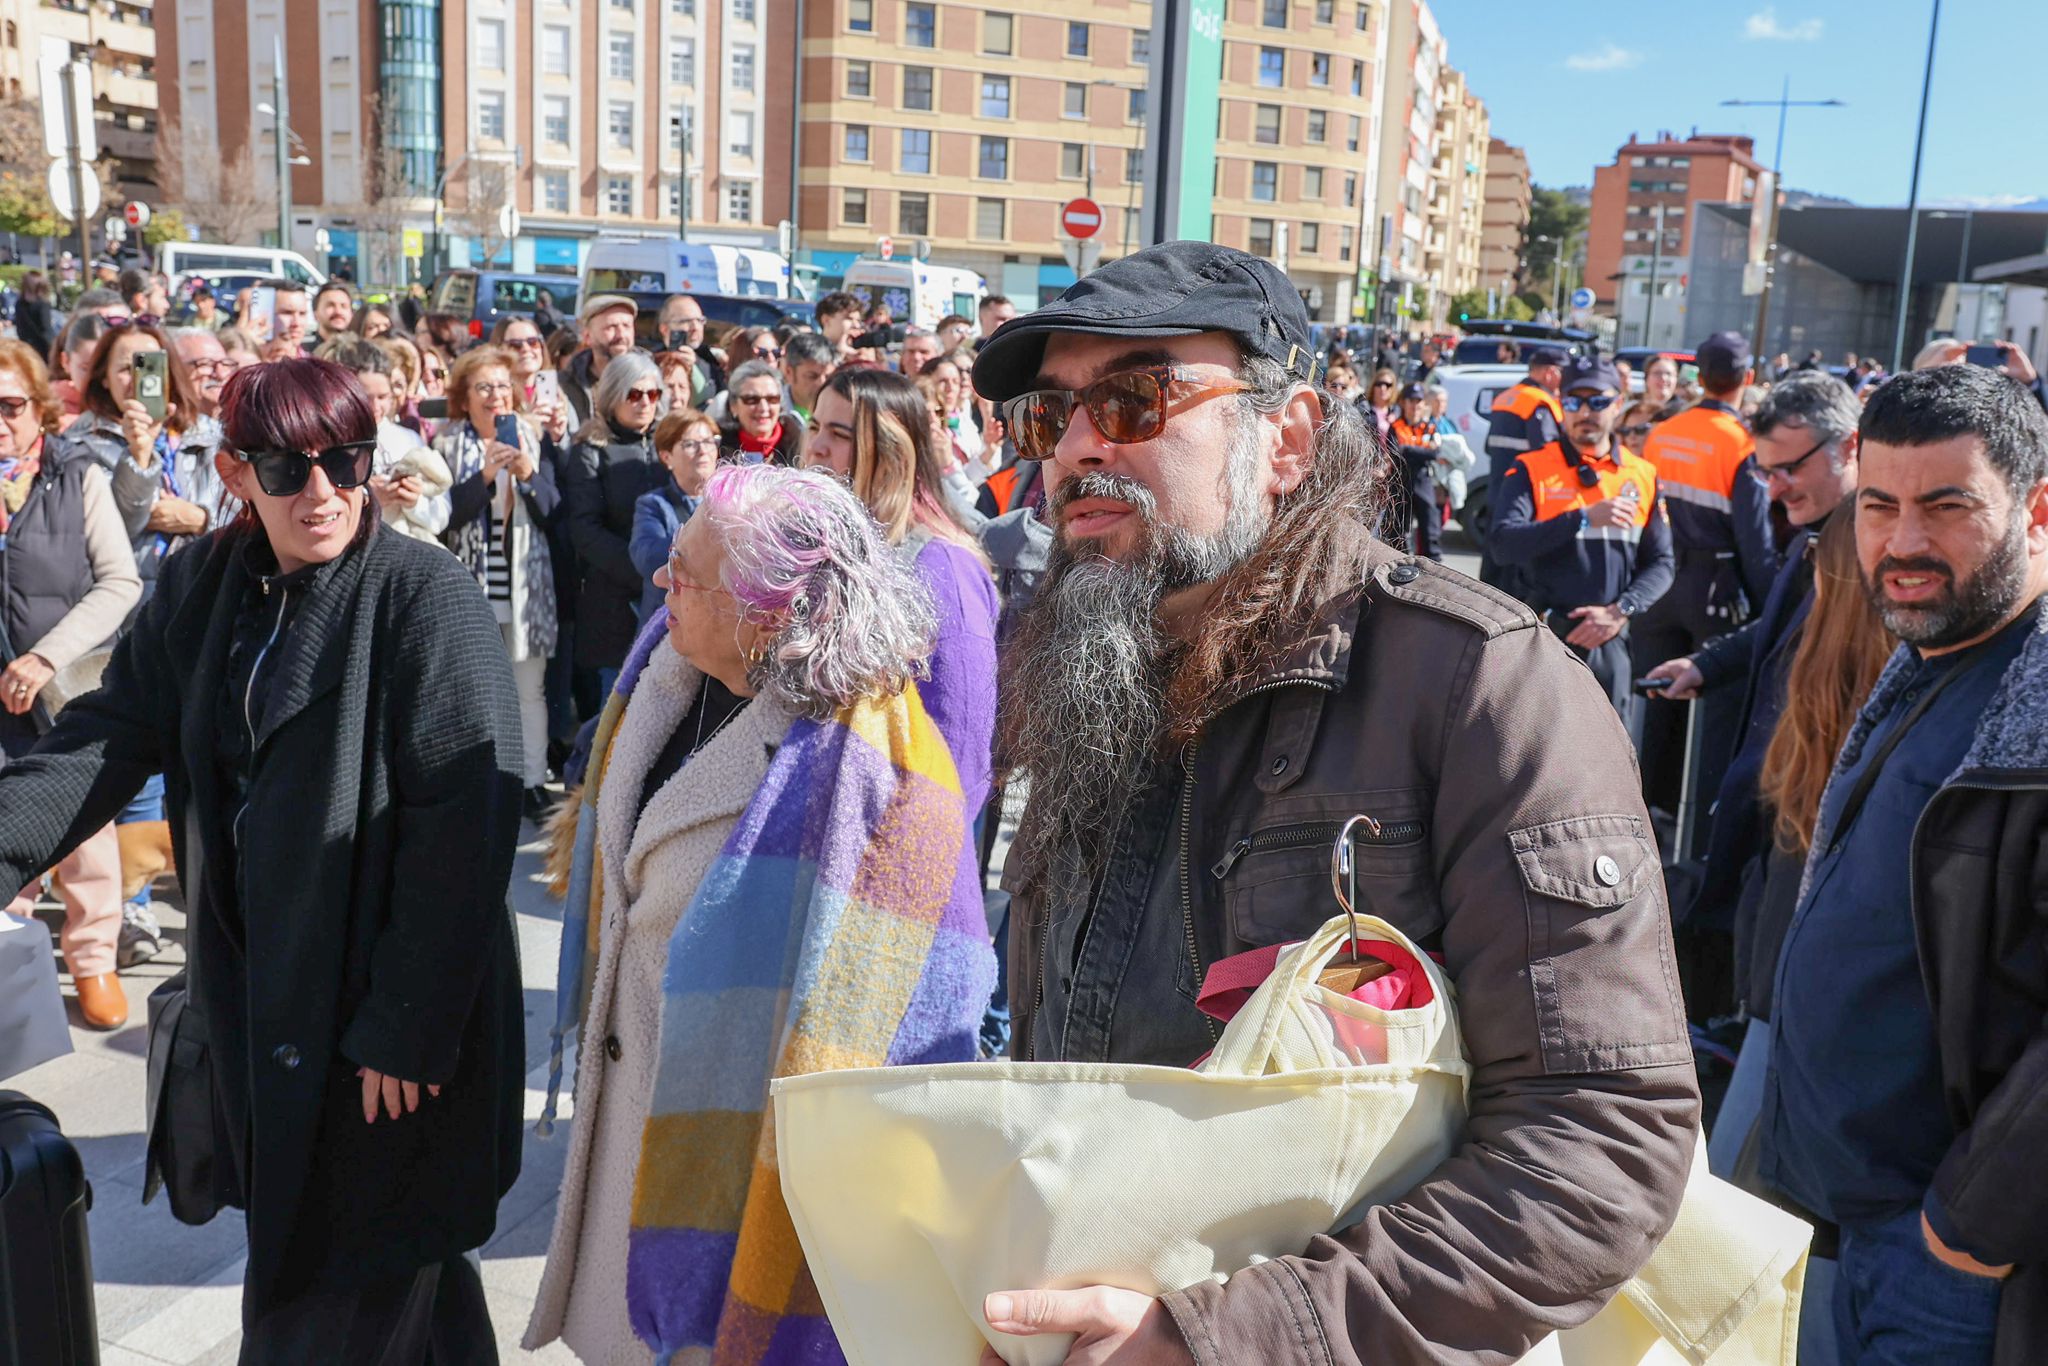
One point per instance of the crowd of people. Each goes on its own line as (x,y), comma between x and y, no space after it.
(1729,771)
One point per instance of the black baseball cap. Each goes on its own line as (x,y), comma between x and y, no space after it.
(1411,391)
(1548,355)
(1174,289)
(1724,353)
(1591,372)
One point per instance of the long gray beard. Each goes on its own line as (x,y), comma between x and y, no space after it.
(1084,678)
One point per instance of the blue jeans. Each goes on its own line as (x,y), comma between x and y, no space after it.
(1742,1103)
(1896,1305)
(148,805)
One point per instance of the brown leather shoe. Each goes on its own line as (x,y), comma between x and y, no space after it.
(102,1002)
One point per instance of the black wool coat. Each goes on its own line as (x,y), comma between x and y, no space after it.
(600,484)
(363,922)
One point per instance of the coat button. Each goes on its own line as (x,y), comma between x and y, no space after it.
(286,1057)
(1279,765)
(1608,871)
(612,1049)
(1403,574)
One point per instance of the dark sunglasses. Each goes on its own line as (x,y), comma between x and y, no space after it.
(751,399)
(1598,403)
(1790,467)
(282,474)
(523,342)
(1127,407)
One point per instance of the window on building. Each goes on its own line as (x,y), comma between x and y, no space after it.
(1073,160)
(682,133)
(1133,232)
(1260,240)
(743,67)
(1141,47)
(1266,124)
(554,191)
(860,16)
(739,133)
(856,142)
(672,191)
(1326,11)
(1319,69)
(917,87)
(490,44)
(618,195)
(1077,38)
(1273,13)
(1134,112)
(1351,130)
(913,215)
(1134,166)
(618,124)
(1272,67)
(1350,191)
(554,50)
(1358,78)
(917,151)
(998,34)
(743,10)
(1678,163)
(995,97)
(490,115)
(1344,244)
(921,25)
(1363,19)
(1318,128)
(1311,182)
(739,201)
(618,63)
(1309,241)
(994,161)
(626,5)
(554,120)
(988,219)
(1265,181)
(1074,101)
(853,208)
(682,61)
(683,9)
(860,81)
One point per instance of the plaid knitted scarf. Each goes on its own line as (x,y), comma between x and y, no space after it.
(841,925)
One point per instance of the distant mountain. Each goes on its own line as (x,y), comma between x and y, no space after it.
(1806,199)
(2002,203)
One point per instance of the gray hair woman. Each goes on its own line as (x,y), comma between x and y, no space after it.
(757,425)
(746,719)
(612,463)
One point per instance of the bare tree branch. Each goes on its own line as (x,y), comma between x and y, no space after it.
(218,192)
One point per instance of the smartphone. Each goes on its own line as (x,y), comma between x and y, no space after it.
(152,382)
(263,311)
(547,388)
(508,430)
(1645,686)
(1990,356)
(434,408)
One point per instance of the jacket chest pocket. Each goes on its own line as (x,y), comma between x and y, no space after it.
(1275,877)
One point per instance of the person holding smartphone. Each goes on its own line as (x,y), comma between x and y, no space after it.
(1991,355)
(498,510)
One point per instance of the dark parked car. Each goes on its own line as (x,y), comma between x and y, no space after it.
(478,298)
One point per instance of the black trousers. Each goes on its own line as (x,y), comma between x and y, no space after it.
(1609,663)
(1427,537)
(1673,627)
(433,1317)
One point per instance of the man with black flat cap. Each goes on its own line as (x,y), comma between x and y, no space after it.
(1220,652)
(1582,519)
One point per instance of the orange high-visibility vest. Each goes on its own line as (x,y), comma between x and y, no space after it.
(1698,455)
(1525,398)
(1556,485)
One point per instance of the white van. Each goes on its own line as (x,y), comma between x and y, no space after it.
(660,266)
(916,291)
(212,260)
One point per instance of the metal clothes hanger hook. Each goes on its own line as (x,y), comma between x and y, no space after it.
(1344,875)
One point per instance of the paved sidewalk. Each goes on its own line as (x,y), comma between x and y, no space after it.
(169,1295)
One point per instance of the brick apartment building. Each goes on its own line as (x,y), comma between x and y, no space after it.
(1676,174)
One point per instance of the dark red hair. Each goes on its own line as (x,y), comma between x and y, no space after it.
(295,405)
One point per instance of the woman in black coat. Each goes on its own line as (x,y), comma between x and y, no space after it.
(612,463)
(334,715)
(35,324)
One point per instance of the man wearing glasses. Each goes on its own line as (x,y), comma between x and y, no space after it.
(1221,658)
(1582,519)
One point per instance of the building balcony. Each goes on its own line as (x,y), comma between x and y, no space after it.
(72,21)
(124,92)
(125,144)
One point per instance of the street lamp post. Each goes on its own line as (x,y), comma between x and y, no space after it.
(1783,103)
(1969,217)
(1913,198)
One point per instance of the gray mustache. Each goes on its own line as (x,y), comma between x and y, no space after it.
(1121,487)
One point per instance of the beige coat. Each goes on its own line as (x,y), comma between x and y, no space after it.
(652,862)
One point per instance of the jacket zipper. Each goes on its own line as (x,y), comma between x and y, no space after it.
(1386,834)
(249,700)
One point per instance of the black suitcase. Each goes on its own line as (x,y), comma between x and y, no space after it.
(46,1309)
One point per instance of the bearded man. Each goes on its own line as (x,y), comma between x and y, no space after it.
(1221,669)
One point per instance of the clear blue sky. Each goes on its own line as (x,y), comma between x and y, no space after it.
(1571,79)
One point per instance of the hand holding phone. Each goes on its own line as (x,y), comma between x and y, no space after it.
(152,382)
(1990,355)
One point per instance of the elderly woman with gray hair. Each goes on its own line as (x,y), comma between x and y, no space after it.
(611,463)
(756,427)
(770,876)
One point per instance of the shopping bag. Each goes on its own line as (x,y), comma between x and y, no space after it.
(33,1028)
(917,1191)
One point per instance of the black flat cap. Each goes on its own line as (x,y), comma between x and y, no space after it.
(1175,289)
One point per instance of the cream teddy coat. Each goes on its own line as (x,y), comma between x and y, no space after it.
(652,862)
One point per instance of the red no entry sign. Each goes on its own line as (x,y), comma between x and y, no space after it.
(1081,217)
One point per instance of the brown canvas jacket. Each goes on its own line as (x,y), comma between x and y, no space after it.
(1424,699)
